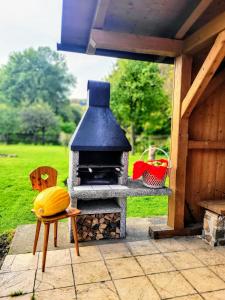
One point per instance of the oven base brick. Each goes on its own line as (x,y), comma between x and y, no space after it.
(214,229)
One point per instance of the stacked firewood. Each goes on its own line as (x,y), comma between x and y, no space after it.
(98,226)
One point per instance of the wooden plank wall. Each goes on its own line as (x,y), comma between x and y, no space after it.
(205,175)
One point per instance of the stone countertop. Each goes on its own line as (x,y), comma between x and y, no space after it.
(133,188)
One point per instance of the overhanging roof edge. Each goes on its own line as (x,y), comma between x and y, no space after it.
(117,54)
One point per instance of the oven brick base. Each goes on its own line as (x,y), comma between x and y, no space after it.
(214,229)
(98,226)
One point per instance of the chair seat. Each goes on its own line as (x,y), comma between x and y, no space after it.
(68,213)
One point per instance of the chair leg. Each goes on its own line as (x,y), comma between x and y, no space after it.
(55,233)
(45,246)
(75,236)
(38,226)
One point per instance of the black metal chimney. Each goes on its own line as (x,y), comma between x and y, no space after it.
(98,129)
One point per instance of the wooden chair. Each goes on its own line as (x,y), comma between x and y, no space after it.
(42,178)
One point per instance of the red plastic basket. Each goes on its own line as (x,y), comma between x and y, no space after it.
(152,181)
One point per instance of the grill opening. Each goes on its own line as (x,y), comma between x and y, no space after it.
(98,176)
(99,167)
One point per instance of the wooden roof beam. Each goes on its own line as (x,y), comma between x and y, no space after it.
(197,12)
(205,74)
(136,43)
(98,22)
(204,35)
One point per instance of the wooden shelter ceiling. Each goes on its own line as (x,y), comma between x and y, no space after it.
(153,18)
(142,18)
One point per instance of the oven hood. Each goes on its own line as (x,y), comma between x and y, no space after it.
(98,130)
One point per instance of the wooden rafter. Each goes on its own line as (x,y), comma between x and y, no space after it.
(198,11)
(205,74)
(98,22)
(100,14)
(136,43)
(204,35)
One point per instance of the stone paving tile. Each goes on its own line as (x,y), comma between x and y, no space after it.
(142,248)
(54,277)
(136,288)
(115,250)
(20,262)
(190,297)
(183,260)
(220,249)
(218,295)
(87,253)
(219,270)
(97,291)
(123,268)
(56,294)
(168,245)
(155,263)
(90,272)
(171,284)
(56,258)
(22,297)
(6,266)
(203,279)
(209,257)
(16,281)
(192,243)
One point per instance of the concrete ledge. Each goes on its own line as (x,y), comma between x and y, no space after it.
(133,188)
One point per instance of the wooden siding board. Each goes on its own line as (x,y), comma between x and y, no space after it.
(206,168)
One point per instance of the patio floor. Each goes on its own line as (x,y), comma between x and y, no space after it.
(178,268)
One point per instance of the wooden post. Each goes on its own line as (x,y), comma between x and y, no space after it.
(179,143)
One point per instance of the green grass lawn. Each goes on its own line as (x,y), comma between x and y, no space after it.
(16,195)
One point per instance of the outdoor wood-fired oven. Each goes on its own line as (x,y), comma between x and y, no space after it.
(99,161)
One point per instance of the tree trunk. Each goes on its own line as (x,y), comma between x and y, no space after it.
(35,138)
(132,138)
(151,153)
(43,136)
(7,138)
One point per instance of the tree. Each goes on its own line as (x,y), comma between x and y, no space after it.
(138,99)
(39,118)
(9,123)
(36,75)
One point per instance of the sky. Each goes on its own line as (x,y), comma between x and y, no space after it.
(34,23)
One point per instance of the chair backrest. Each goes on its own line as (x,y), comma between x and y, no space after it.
(43,178)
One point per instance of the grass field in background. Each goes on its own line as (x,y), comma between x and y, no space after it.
(16,195)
